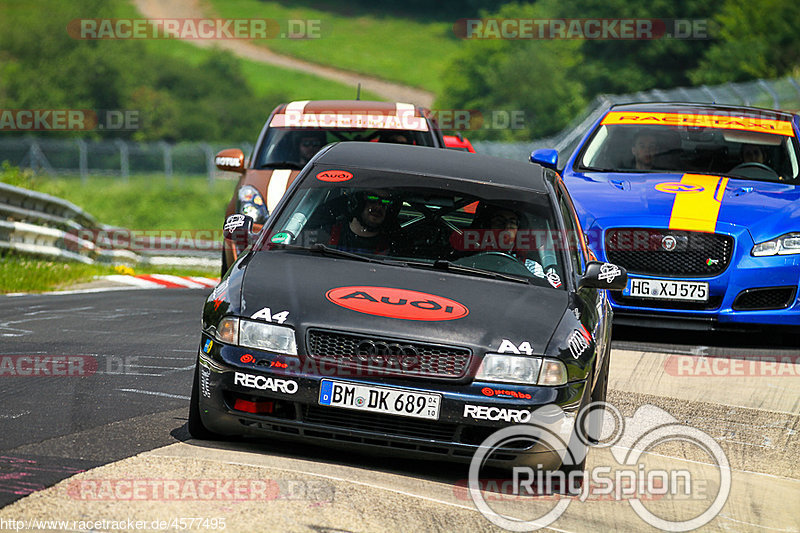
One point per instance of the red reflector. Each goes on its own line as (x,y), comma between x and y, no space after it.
(253,407)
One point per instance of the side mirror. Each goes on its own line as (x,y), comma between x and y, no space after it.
(603,276)
(547,157)
(238,229)
(231,160)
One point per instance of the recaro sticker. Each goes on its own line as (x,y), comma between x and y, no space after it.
(397,303)
(335,176)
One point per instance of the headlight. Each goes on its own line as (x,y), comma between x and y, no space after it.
(228,330)
(784,245)
(249,334)
(521,369)
(251,203)
(267,337)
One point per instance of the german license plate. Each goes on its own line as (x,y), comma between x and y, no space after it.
(694,291)
(379,399)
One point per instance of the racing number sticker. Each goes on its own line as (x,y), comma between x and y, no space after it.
(266,314)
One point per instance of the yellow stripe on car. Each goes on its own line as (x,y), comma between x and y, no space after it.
(698,199)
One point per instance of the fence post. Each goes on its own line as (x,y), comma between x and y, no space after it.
(741,94)
(209,153)
(36,159)
(794,83)
(776,102)
(124,163)
(83,160)
(167,149)
(706,89)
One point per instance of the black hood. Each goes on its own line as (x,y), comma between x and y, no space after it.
(455,309)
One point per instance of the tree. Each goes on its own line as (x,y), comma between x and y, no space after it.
(756,40)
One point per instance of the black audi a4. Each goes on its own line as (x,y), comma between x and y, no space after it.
(407,300)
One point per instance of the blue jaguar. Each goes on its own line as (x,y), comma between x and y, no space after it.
(701,204)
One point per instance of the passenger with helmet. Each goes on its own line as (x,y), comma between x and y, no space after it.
(372,215)
(499,226)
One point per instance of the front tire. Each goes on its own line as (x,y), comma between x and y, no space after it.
(195,425)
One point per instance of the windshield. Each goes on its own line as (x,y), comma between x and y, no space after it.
(423,222)
(294,147)
(623,144)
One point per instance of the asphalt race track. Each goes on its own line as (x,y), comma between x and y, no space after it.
(104,409)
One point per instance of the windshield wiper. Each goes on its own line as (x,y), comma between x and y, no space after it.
(442,264)
(283,164)
(327,250)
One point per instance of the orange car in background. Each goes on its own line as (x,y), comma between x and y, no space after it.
(296,131)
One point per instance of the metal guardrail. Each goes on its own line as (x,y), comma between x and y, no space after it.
(783,93)
(114,158)
(46,226)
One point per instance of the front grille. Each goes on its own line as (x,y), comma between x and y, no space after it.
(713,303)
(379,423)
(389,356)
(764,298)
(692,253)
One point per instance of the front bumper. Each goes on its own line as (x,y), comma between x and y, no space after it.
(775,274)
(292,398)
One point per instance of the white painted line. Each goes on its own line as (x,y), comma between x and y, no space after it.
(78,291)
(162,367)
(208,282)
(133,280)
(164,394)
(178,280)
(756,525)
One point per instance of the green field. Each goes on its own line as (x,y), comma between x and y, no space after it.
(264,79)
(145,202)
(27,274)
(392,46)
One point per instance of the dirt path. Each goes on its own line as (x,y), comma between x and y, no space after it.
(157,9)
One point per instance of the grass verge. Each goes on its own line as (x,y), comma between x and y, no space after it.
(27,274)
(144,202)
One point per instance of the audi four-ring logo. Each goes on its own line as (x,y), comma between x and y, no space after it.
(387,353)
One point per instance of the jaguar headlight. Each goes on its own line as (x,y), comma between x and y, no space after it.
(250,203)
(784,245)
(269,337)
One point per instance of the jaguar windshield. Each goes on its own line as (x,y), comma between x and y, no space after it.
(751,148)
